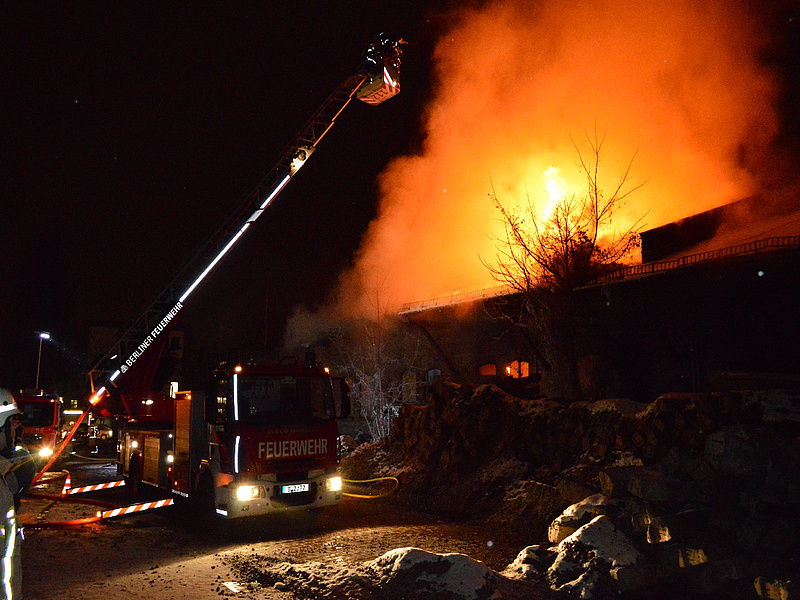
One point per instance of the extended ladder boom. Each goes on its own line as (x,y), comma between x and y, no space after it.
(372,86)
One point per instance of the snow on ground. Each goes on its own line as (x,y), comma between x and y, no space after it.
(360,550)
(397,574)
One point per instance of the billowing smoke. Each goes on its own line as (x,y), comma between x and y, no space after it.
(519,84)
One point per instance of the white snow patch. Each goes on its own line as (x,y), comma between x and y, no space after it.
(527,564)
(399,574)
(623,406)
(626,459)
(602,537)
(577,569)
(575,516)
(584,507)
(462,575)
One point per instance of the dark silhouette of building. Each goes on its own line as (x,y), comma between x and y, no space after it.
(712,306)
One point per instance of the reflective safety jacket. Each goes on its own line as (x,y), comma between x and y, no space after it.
(10,535)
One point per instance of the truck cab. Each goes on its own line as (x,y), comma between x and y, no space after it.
(41,422)
(260,439)
(272,439)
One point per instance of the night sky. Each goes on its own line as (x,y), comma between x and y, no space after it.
(132,129)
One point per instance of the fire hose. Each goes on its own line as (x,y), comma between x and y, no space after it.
(18,463)
(74,522)
(67,493)
(116,510)
(61,447)
(63,497)
(371,496)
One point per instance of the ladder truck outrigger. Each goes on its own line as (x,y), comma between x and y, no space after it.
(258,438)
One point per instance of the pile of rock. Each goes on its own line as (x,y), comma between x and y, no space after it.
(692,492)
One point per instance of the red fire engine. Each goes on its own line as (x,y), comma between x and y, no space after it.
(259,439)
(41,420)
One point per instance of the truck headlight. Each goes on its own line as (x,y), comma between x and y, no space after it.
(335,484)
(247,492)
(45,452)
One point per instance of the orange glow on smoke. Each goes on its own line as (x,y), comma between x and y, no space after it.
(518,84)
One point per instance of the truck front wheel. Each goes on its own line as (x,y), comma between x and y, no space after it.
(203,501)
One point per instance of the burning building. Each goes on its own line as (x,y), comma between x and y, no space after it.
(691,91)
(711,307)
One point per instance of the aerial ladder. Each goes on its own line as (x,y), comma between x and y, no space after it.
(133,356)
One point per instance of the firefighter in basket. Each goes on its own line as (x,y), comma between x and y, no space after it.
(10,533)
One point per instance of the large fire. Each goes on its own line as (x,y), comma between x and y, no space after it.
(521,87)
(556,187)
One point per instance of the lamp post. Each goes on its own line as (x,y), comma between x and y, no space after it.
(43,335)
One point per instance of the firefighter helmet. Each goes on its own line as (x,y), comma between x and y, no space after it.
(8,406)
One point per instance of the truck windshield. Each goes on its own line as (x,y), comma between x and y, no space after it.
(286,398)
(37,414)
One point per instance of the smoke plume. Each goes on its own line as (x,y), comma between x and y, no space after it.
(519,84)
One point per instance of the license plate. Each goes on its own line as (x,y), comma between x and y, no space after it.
(295,488)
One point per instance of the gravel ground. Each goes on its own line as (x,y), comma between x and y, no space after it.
(159,555)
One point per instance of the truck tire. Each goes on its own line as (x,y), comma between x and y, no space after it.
(134,479)
(202,502)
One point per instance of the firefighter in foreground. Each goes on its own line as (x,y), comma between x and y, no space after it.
(10,567)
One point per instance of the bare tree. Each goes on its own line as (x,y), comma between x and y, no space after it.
(545,260)
(374,356)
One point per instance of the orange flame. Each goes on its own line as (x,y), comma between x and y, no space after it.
(519,84)
(556,187)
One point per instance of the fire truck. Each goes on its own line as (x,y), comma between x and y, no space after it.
(41,421)
(257,438)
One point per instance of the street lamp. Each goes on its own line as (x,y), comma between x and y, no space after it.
(43,335)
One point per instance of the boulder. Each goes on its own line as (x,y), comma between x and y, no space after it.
(650,484)
(427,574)
(573,491)
(706,485)
(676,526)
(673,402)
(589,559)
(531,503)
(776,589)
(740,452)
(531,563)
(711,483)
(778,407)
(625,407)
(576,516)
(628,515)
